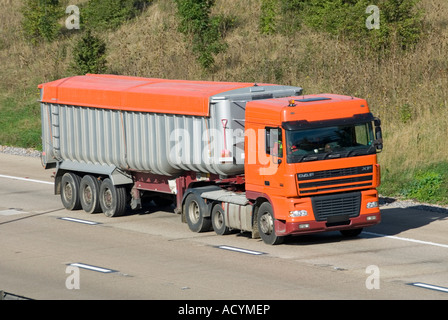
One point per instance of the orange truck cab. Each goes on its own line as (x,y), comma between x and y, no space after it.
(316,169)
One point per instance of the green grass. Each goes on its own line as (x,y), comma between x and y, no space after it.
(20,121)
(427,183)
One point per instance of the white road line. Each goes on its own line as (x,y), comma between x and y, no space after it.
(25,179)
(407,239)
(92,268)
(429,286)
(79,221)
(241,250)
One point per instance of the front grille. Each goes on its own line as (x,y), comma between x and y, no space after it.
(334,180)
(343,204)
(325,174)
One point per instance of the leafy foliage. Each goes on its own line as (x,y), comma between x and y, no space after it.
(400,20)
(89,55)
(426,186)
(40,20)
(204,30)
(110,14)
(268,16)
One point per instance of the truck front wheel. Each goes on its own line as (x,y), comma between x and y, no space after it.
(194,214)
(112,199)
(266,225)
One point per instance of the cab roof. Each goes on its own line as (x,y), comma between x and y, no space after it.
(307,107)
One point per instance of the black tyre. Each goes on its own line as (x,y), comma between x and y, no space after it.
(351,233)
(90,194)
(219,220)
(70,191)
(112,199)
(194,214)
(266,228)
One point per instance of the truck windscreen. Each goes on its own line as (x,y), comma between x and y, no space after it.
(330,142)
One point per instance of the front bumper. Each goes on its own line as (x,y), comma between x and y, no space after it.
(283,228)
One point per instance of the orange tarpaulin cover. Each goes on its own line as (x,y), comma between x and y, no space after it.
(136,94)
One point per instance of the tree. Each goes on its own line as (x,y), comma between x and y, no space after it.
(89,55)
(40,19)
(205,31)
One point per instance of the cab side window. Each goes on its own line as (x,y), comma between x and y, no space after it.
(274,145)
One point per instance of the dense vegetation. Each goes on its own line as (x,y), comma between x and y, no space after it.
(401,67)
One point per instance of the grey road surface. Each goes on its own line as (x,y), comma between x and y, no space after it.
(47,252)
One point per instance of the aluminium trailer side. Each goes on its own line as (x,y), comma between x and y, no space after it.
(148,140)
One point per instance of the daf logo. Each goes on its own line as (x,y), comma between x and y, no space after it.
(306,175)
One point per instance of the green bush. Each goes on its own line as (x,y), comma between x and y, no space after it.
(400,20)
(110,14)
(89,55)
(268,16)
(40,20)
(205,31)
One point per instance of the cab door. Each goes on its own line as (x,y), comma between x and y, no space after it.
(272,166)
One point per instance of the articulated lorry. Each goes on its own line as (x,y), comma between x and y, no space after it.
(259,158)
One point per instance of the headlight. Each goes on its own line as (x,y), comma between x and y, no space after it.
(298,213)
(372,204)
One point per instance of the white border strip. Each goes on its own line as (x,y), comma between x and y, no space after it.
(241,250)
(79,221)
(25,179)
(92,268)
(429,286)
(407,239)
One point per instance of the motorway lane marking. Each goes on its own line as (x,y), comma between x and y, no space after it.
(79,221)
(11,212)
(25,179)
(407,239)
(241,250)
(92,268)
(429,286)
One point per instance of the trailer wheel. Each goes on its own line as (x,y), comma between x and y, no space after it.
(89,194)
(70,191)
(266,225)
(194,214)
(112,199)
(219,220)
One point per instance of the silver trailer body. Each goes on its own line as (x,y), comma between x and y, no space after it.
(115,142)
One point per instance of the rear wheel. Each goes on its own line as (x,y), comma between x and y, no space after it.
(112,199)
(266,226)
(219,220)
(89,194)
(194,214)
(70,191)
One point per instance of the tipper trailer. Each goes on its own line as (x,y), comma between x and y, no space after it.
(260,158)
